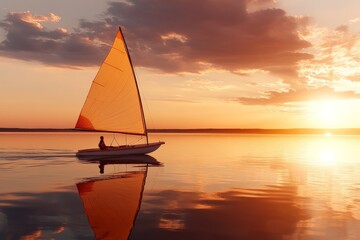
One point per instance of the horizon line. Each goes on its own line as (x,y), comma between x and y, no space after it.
(337,131)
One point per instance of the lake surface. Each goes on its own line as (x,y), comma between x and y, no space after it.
(208,186)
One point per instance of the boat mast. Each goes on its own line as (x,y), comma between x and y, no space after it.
(137,87)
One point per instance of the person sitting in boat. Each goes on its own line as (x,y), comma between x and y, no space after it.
(102,144)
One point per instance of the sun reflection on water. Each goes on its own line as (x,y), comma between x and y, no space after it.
(327,158)
(328,134)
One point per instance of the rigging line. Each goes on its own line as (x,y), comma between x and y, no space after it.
(147,105)
(136,84)
(141,137)
(114,138)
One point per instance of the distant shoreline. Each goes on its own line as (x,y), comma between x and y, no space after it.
(333,131)
(339,131)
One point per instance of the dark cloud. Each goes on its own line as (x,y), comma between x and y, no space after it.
(300,95)
(342,28)
(171,36)
(220,33)
(27,39)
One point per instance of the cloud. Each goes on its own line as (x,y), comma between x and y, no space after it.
(354,78)
(171,36)
(336,56)
(34,19)
(28,39)
(332,73)
(300,95)
(222,34)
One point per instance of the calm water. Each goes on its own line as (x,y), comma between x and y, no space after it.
(208,187)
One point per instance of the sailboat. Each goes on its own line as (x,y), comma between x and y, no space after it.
(112,202)
(114,104)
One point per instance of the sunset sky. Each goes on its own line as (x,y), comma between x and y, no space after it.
(199,64)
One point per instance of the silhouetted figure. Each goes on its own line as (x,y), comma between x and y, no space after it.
(102,144)
(102,167)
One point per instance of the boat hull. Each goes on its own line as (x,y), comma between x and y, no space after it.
(138,149)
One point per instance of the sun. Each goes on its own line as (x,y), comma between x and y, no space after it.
(326,109)
(326,113)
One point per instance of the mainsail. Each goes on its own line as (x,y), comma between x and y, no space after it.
(113,103)
(111,205)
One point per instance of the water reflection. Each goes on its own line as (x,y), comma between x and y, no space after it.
(222,187)
(104,206)
(46,215)
(131,159)
(112,203)
(270,213)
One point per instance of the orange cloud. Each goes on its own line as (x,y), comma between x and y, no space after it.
(300,95)
(35,19)
(332,73)
(336,54)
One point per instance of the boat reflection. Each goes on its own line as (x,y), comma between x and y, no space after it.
(112,202)
(111,160)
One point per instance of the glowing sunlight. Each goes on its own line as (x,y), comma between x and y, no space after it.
(328,113)
(327,158)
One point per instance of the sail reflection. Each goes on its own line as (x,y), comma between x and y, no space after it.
(112,203)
